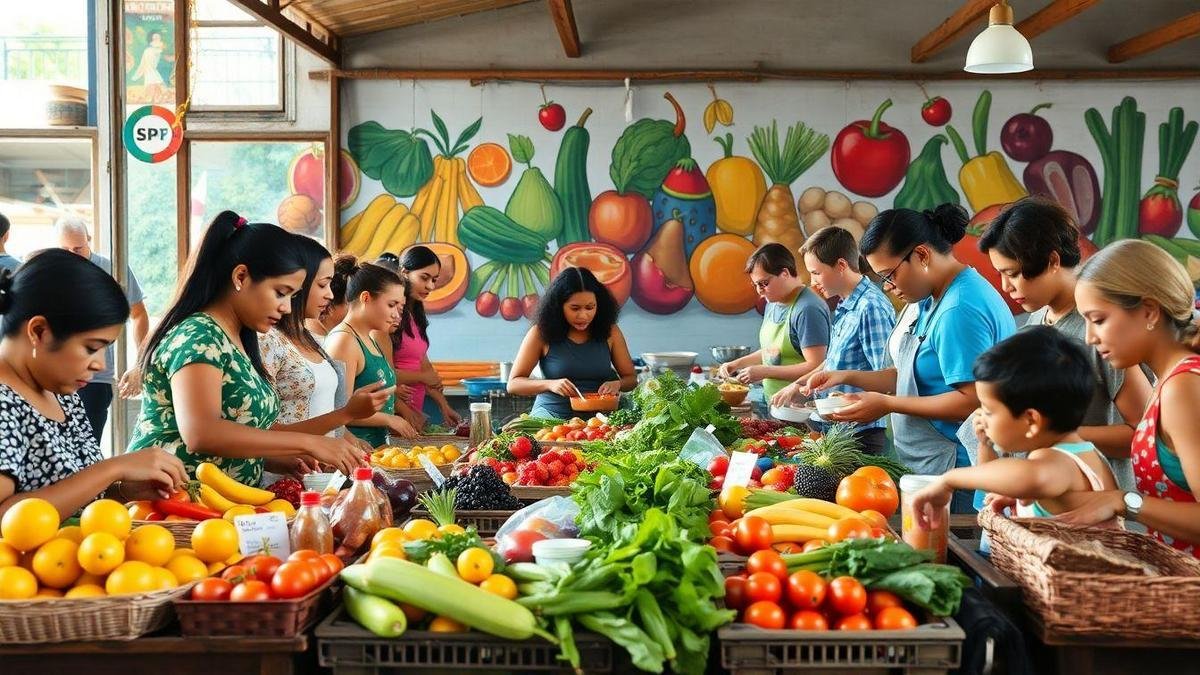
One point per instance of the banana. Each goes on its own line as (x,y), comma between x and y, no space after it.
(405,235)
(384,231)
(796,533)
(718,111)
(818,506)
(351,226)
(375,211)
(777,516)
(213,499)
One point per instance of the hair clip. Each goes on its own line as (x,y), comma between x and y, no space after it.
(241,222)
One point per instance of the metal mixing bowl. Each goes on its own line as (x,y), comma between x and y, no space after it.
(670,359)
(727,353)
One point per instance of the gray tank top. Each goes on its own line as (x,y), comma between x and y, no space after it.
(588,365)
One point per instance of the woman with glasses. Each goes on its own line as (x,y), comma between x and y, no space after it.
(930,389)
(795,328)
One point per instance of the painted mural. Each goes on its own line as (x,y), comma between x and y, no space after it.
(668,225)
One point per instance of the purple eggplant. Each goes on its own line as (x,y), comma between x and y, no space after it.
(1027,137)
(401,494)
(1070,180)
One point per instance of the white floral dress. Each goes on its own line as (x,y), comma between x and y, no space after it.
(246,396)
(305,389)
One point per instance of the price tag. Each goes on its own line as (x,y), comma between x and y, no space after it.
(741,466)
(335,483)
(432,470)
(265,533)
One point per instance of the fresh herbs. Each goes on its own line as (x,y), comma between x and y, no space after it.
(671,410)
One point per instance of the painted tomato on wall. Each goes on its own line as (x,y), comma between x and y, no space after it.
(605,261)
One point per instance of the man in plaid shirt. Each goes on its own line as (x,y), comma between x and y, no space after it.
(862,321)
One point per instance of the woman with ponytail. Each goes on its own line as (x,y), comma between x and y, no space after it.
(930,390)
(376,295)
(207,396)
(60,314)
(1138,304)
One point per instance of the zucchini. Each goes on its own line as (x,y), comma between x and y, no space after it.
(438,562)
(381,617)
(571,185)
(403,581)
(493,235)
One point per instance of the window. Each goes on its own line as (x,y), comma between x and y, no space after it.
(42,179)
(44,63)
(237,61)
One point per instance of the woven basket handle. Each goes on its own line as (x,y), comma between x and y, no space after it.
(1000,526)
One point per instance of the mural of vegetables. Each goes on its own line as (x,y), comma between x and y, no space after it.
(738,188)
(1193,213)
(489,164)
(686,197)
(869,157)
(1026,137)
(718,111)
(1159,212)
(533,204)
(517,266)
(437,203)
(662,282)
(1121,153)
(1069,179)
(571,184)
(394,157)
(925,183)
(607,262)
(306,176)
(935,111)
(716,271)
(778,221)
(820,209)
(385,225)
(985,179)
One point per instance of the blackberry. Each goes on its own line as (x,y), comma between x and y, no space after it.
(481,490)
(815,482)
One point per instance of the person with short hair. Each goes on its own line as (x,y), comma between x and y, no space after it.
(75,236)
(7,260)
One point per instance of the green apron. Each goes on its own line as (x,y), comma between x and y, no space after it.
(775,342)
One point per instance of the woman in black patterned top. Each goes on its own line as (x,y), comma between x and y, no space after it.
(60,312)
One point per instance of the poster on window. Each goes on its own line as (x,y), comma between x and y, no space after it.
(149,51)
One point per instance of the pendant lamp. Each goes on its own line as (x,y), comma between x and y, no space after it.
(999,48)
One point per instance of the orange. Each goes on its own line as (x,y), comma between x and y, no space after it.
(388,534)
(716,267)
(450,452)
(29,524)
(282,506)
(239,510)
(489,164)
(165,578)
(443,624)
(187,568)
(56,563)
(101,553)
(452,528)
(9,556)
(419,528)
(215,540)
(72,532)
(86,591)
(152,544)
(215,568)
(474,565)
(389,550)
(498,584)
(89,579)
(17,583)
(106,515)
(49,593)
(134,576)
(182,552)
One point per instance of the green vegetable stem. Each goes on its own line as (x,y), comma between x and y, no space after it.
(1121,153)
(925,184)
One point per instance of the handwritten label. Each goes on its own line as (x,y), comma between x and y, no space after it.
(263,533)
(432,470)
(741,466)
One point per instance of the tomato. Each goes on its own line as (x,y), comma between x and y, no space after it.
(720,528)
(847,596)
(849,528)
(877,601)
(304,554)
(752,534)
(807,619)
(765,615)
(718,514)
(331,561)
(735,592)
(776,478)
(854,622)
(722,544)
(895,618)
(814,544)
(874,518)
(264,566)
(251,590)
(763,586)
(788,547)
(717,483)
(293,579)
(869,488)
(561,430)
(319,569)
(211,589)
(140,510)
(769,562)
(236,573)
(805,590)
(719,465)
(733,500)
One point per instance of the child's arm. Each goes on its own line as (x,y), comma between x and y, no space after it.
(1046,474)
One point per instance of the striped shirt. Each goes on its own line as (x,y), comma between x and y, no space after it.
(862,324)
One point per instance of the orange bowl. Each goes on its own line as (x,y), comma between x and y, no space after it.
(595,403)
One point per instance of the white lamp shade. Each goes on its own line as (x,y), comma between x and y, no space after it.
(1000,48)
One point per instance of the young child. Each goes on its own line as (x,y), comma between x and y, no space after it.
(1033,389)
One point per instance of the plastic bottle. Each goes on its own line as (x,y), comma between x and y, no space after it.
(912,533)
(481,424)
(311,529)
(355,516)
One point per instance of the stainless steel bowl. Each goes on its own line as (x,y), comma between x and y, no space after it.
(729,353)
(671,360)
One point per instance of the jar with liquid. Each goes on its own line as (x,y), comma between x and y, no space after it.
(311,529)
(913,534)
(481,424)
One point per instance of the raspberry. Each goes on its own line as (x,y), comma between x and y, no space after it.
(556,468)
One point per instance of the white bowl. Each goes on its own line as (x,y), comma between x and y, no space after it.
(831,404)
(566,551)
(791,413)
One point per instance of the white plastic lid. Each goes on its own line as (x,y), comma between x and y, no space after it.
(915,482)
(481,407)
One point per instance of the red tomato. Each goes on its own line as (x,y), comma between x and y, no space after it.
(752,534)
(814,544)
(765,615)
(719,465)
(716,483)
(854,622)
(807,619)
(763,586)
(303,554)
(293,579)
(869,488)
(769,562)
(877,601)
(787,547)
(735,592)
(718,514)
(722,544)
(236,573)
(720,528)
(333,562)
(251,590)
(849,528)
(211,588)
(847,596)
(805,590)
(319,569)
(264,566)
(895,618)
(874,518)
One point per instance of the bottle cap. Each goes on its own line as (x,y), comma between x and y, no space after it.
(310,499)
(481,407)
(363,473)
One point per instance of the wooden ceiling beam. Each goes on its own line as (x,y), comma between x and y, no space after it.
(950,30)
(312,36)
(1180,29)
(1052,15)
(564,21)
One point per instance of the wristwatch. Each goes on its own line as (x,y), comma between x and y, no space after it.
(1133,505)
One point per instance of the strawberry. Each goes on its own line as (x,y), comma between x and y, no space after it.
(521,448)
(543,473)
(556,468)
(548,456)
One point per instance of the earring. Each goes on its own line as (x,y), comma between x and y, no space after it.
(238,289)
(35,352)
(1149,326)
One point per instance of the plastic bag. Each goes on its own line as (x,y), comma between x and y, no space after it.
(550,518)
(702,447)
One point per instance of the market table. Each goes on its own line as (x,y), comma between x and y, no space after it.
(168,653)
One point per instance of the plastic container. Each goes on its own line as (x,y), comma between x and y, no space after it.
(567,551)
(831,404)
(481,424)
(355,516)
(311,529)
(913,534)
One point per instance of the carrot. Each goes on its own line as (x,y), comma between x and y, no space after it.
(778,221)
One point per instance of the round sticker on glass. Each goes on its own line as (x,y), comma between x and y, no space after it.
(151,134)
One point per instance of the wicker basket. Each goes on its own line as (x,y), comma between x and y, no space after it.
(120,617)
(486,523)
(1080,591)
(269,618)
(180,529)
(420,480)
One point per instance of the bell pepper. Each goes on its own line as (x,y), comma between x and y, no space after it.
(986,178)
(925,184)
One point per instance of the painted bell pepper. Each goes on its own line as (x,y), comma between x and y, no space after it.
(986,179)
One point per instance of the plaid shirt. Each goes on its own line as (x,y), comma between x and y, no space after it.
(862,324)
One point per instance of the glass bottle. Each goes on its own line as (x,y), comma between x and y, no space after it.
(481,424)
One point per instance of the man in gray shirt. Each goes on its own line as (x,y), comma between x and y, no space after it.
(7,262)
(75,235)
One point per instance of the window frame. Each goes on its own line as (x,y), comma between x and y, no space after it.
(103,240)
(220,114)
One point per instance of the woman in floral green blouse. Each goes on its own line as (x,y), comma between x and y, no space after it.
(205,394)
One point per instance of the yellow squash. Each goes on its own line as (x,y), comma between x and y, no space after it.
(738,188)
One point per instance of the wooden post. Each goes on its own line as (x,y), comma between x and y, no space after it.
(1180,29)
(1052,15)
(333,173)
(183,158)
(950,30)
